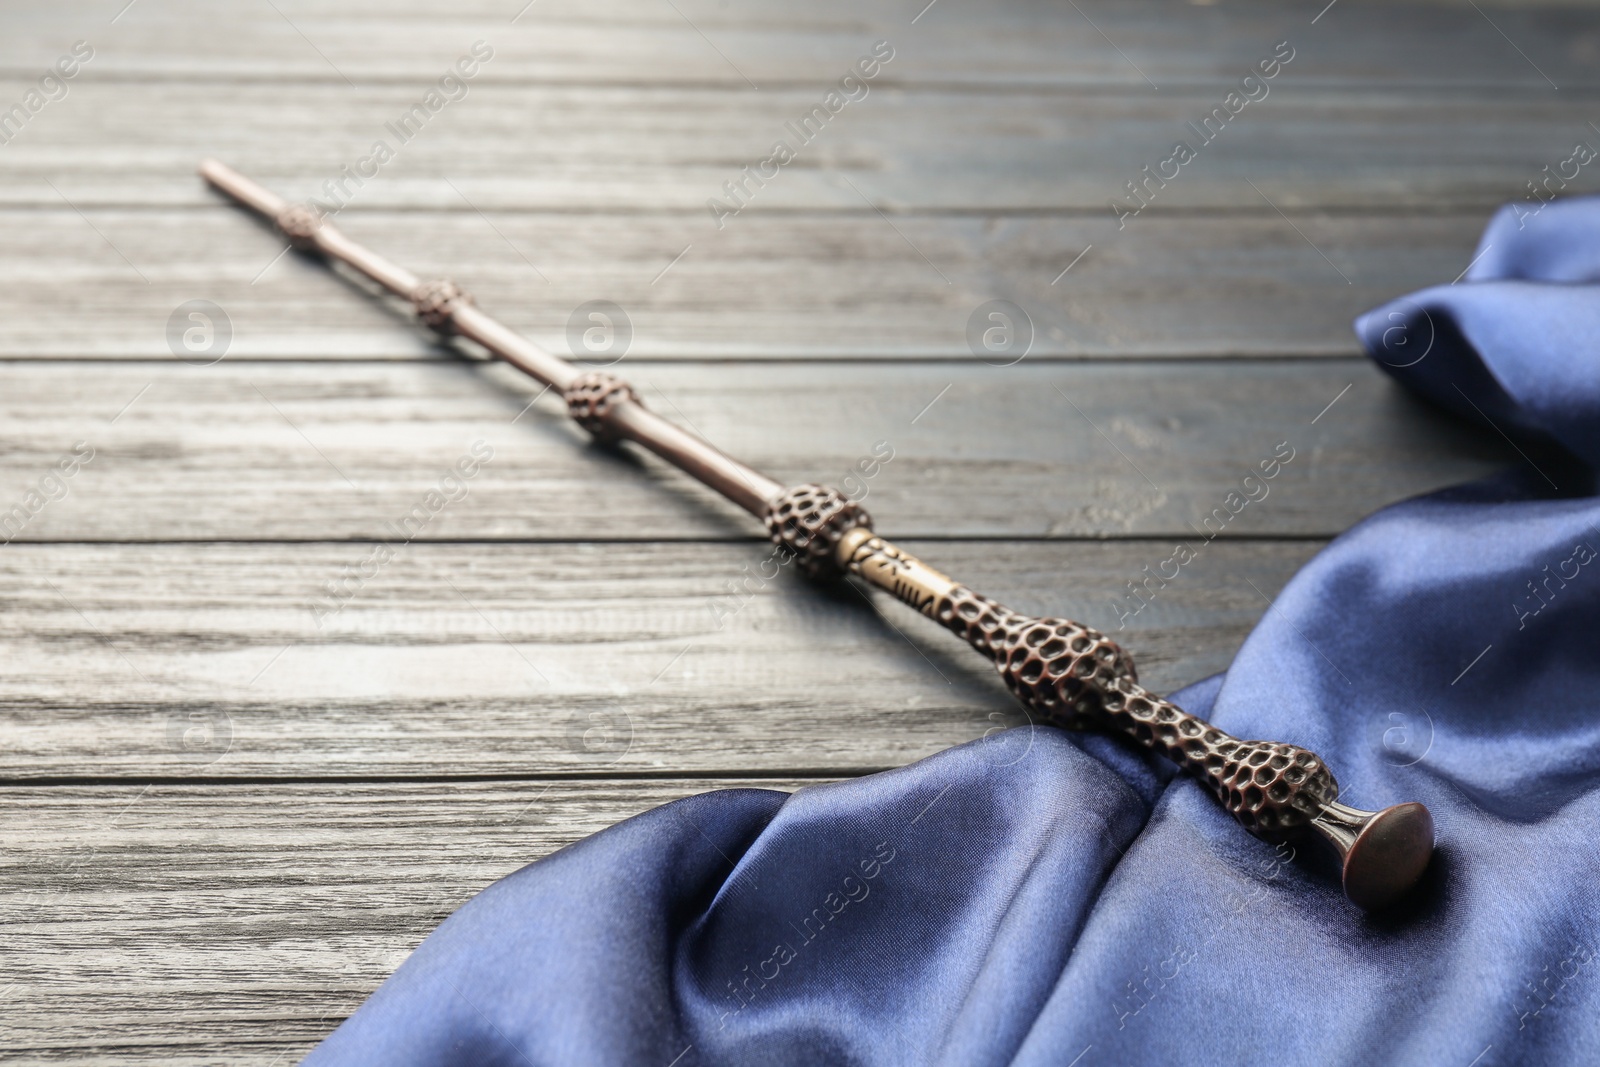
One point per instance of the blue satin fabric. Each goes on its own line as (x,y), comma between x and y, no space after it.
(1040,898)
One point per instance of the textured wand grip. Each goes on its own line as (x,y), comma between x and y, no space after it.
(1075,677)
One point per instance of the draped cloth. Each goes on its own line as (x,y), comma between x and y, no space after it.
(1043,898)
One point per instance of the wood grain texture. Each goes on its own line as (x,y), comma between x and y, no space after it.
(141,661)
(1016,44)
(206,924)
(347,450)
(625,148)
(775,286)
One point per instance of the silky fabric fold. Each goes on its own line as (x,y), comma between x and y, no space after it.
(1043,898)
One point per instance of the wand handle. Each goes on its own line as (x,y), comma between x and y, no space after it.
(1077,678)
(1060,670)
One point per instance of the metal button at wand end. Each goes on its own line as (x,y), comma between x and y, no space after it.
(1382,854)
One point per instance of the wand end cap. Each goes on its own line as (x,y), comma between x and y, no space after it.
(1388,856)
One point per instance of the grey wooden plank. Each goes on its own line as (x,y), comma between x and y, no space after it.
(194,924)
(770,286)
(625,148)
(1016,43)
(347,450)
(170,661)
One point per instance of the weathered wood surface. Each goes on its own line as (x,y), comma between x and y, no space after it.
(346,450)
(223,824)
(169,661)
(205,924)
(776,286)
(625,148)
(1036,43)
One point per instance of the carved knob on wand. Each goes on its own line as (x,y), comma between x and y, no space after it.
(1075,677)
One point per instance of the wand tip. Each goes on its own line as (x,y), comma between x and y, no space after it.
(242,189)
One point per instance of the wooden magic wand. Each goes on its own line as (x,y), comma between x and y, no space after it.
(1061,671)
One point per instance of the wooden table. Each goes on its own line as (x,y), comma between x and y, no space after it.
(227,814)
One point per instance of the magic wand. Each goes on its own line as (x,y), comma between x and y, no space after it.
(1062,671)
